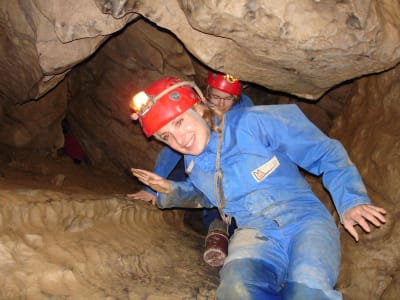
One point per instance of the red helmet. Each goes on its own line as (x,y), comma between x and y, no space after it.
(224,82)
(167,106)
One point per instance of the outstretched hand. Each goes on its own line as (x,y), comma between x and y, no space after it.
(359,215)
(152,180)
(144,196)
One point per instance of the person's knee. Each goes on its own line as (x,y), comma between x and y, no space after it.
(234,283)
(249,279)
(301,291)
(316,273)
(233,289)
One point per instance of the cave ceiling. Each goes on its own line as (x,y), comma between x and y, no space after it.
(302,48)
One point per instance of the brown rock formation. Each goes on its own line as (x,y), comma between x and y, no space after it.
(68,231)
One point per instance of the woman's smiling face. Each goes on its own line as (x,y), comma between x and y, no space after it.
(187,134)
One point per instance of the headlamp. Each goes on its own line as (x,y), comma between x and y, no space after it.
(141,103)
(231,78)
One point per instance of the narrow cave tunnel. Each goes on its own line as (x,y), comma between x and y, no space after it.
(68,230)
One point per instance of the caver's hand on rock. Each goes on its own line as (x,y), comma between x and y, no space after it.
(152,180)
(144,196)
(360,214)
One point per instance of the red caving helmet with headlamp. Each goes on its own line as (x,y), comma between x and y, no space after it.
(224,82)
(167,106)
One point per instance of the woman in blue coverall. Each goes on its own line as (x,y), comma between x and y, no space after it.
(224,92)
(287,245)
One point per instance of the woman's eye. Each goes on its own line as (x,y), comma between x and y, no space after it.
(179,123)
(165,137)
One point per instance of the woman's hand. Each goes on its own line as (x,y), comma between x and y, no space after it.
(360,214)
(152,180)
(144,196)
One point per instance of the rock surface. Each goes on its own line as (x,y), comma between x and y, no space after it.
(69,233)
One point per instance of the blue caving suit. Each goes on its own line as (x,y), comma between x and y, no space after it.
(169,164)
(287,245)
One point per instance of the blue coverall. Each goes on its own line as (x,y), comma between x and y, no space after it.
(287,245)
(168,166)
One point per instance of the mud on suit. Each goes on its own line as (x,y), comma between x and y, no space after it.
(287,244)
(168,165)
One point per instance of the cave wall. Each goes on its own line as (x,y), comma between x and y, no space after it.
(76,60)
(369,128)
(101,89)
(35,124)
